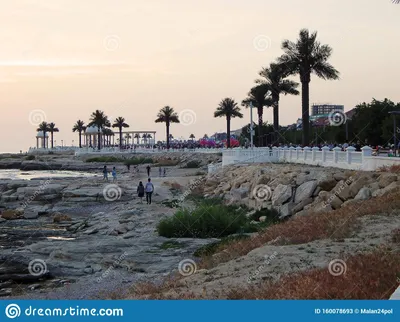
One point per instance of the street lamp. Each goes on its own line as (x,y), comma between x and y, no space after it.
(62,143)
(394,113)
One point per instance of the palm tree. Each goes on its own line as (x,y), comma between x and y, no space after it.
(99,119)
(52,129)
(205,136)
(107,133)
(137,137)
(127,138)
(258,97)
(274,81)
(44,127)
(120,123)
(167,115)
(144,137)
(303,57)
(192,137)
(228,108)
(80,127)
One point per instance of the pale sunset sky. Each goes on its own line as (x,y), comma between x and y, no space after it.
(67,58)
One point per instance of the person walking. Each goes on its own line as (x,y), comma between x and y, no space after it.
(159,171)
(148,170)
(105,173)
(140,191)
(114,174)
(165,172)
(128,166)
(149,191)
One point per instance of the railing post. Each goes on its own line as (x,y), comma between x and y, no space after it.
(349,152)
(305,152)
(336,154)
(298,149)
(275,153)
(325,150)
(314,153)
(291,150)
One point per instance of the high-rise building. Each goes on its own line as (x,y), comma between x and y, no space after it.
(321,110)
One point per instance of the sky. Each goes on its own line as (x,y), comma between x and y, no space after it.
(62,59)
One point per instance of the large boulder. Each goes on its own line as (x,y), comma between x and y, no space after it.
(392,188)
(386,179)
(286,210)
(239,193)
(356,185)
(305,191)
(342,189)
(364,194)
(281,194)
(300,206)
(326,182)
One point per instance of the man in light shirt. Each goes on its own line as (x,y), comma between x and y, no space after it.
(149,191)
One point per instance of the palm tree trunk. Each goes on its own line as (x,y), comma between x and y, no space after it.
(80,139)
(120,138)
(44,140)
(260,124)
(228,132)
(98,139)
(51,139)
(167,135)
(275,99)
(305,100)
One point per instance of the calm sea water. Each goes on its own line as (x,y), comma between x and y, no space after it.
(27,175)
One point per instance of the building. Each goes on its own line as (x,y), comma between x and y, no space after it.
(323,110)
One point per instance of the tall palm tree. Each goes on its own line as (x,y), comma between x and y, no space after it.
(167,115)
(192,137)
(259,97)
(107,133)
(44,127)
(303,57)
(52,129)
(120,123)
(228,108)
(100,120)
(137,137)
(144,137)
(127,138)
(274,81)
(79,127)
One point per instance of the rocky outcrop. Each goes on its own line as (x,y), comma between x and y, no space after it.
(317,189)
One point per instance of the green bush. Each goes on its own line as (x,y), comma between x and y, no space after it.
(105,159)
(271,214)
(133,161)
(30,157)
(193,164)
(136,161)
(207,220)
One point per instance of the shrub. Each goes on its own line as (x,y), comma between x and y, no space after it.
(193,164)
(133,161)
(271,214)
(105,159)
(30,157)
(207,220)
(136,161)
(211,249)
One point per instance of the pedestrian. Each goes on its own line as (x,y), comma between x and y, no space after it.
(105,173)
(149,191)
(114,174)
(159,171)
(148,170)
(128,166)
(165,172)
(140,191)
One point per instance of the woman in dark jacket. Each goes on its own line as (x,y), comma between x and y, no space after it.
(140,191)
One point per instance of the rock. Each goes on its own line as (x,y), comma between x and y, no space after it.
(300,206)
(356,186)
(11,214)
(263,179)
(322,207)
(317,191)
(286,210)
(339,176)
(386,179)
(262,219)
(324,195)
(336,202)
(326,182)
(88,270)
(2,220)
(58,217)
(305,191)
(226,187)
(30,214)
(364,194)
(392,188)
(5,291)
(342,190)
(34,287)
(281,194)
(239,193)
(373,186)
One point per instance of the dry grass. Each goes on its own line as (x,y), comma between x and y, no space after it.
(367,276)
(336,225)
(395,168)
(396,236)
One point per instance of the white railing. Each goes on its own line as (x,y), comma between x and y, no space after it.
(214,167)
(349,159)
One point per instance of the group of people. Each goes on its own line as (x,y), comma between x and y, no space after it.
(148,189)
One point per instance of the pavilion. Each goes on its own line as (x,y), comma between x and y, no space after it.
(41,140)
